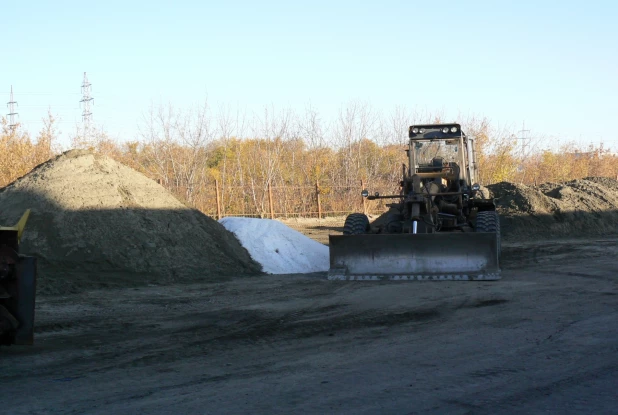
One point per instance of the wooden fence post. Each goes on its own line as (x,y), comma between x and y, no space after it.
(270,201)
(218,199)
(364,199)
(317,194)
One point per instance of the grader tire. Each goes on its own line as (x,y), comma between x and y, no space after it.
(356,224)
(489,221)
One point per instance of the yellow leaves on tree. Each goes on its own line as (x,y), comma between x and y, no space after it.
(19,153)
(186,156)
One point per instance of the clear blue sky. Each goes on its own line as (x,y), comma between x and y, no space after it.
(552,64)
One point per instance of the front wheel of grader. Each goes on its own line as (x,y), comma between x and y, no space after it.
(489,221)
(356,224)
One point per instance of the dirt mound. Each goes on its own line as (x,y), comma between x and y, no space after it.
(583,207)
(96,222)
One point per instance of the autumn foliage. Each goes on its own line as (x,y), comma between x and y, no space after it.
(193,153)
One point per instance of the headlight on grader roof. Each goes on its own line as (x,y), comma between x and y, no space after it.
(415,130)
(445,130)
(453,129)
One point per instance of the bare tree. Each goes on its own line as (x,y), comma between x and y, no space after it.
(175,147)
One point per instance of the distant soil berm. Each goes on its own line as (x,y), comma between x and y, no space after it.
(582,207)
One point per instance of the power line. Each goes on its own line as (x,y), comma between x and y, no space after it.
(45,93)
(86,98)
(12,113)
(525,141)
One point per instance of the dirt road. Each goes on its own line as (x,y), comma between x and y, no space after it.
(542,340)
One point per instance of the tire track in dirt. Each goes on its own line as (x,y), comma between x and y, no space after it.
(488,405)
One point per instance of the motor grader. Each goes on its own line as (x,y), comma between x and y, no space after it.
(17,287)
(439,226)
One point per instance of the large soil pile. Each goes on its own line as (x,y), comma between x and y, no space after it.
(584,207)
(96,222)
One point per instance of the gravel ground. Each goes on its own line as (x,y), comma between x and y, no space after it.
(544,339)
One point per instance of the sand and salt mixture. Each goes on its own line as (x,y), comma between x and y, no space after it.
(97,223)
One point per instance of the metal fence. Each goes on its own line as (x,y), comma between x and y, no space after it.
(290,201)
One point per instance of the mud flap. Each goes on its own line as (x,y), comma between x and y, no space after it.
(440,256)
(26,271)
(17,302)
(17,287)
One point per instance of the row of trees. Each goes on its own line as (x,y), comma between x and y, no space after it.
(187,151)
(19,153)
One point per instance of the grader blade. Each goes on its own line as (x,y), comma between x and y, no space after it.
(415,257)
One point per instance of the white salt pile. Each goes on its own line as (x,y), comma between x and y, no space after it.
(278,248)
